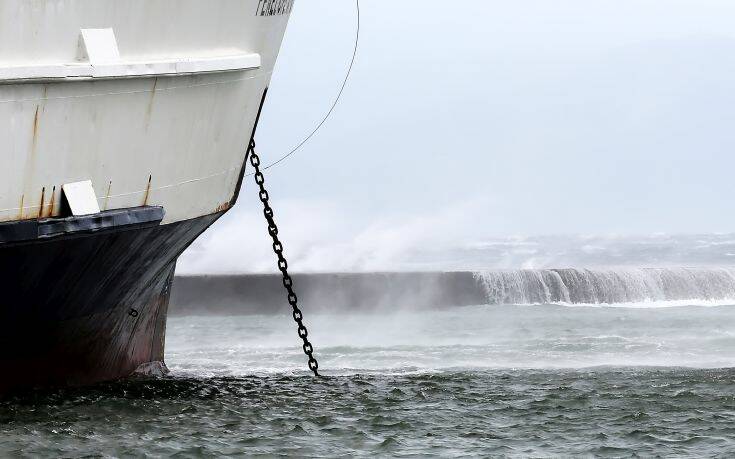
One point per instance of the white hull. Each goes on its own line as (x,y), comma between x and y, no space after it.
(166,123)
(130,110)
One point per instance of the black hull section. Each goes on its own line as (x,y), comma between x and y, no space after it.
(89,307)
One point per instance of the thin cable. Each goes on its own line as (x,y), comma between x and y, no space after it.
(336,101)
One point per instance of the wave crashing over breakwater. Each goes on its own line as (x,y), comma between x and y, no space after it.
(607,286)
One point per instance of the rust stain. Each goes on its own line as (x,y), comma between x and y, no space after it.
(147,191)
(149,110)
(52,203)
(35,129)
(43,201)
(22,199)
(222,207)
(107,197)
(30,162)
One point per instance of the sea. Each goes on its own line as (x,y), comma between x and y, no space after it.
(612,360)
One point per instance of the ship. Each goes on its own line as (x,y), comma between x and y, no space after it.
(124,129)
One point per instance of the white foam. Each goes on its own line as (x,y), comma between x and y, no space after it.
(613,287)
(654,304)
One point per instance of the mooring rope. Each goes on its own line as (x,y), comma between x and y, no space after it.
(334,104)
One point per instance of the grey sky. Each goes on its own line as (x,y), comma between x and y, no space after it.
(466,120)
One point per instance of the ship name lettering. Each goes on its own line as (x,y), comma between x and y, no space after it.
(274,7)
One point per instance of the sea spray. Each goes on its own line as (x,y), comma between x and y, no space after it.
(608,286)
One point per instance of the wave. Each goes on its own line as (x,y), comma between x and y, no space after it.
(640,286)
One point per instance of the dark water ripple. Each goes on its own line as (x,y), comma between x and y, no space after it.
(603,411)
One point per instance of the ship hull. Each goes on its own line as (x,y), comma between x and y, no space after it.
(112,112)
(90,307)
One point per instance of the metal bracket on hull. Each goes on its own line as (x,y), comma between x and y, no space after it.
(80,198)
(46,228)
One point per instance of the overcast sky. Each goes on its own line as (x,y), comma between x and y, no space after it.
(475,119)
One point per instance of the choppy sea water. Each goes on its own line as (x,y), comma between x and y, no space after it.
(537,381)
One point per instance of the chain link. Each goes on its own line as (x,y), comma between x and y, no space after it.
(282,263)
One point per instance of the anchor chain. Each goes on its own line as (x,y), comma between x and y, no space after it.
(282,263)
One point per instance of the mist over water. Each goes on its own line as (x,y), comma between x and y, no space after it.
(468,338)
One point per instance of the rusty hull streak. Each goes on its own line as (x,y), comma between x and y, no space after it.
(35,125)
(30,161)
(147,191)
(43,202)
(107,197)
(52,203)
(223,207)
(149,109)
